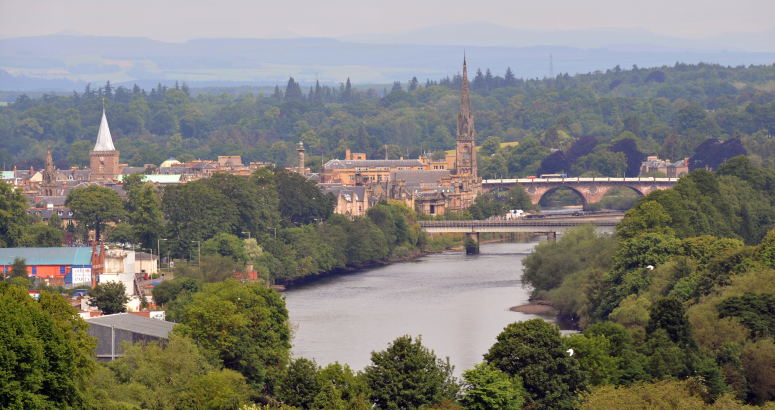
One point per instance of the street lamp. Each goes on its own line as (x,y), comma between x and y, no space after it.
(200,252)
(275,232)
(158,248)
(247,233)
(150,249)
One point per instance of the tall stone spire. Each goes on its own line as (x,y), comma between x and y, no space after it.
(104,140)
(465,99)
(465,162)
(48,185)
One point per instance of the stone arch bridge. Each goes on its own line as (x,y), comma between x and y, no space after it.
(589,189)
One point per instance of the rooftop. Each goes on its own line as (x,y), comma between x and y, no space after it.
(47,256)
(135,323)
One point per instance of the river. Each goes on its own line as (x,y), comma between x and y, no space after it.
(458,303)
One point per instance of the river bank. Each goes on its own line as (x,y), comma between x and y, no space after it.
(405,255)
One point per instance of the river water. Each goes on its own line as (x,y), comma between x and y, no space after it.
(458,303)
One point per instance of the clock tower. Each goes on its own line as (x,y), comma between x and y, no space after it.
(104,157)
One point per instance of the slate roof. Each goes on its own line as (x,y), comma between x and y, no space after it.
(415,177)
(135,323)
(344,164)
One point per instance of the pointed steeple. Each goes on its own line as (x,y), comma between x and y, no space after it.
(48,183)
(104,141)
(465,99)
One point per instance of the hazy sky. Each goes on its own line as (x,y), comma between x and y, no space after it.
(178,20)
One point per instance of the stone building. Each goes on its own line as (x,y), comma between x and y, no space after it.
(428,186)
(48,184)
(671,169)
(104,157)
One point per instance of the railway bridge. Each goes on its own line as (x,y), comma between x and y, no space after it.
(589,189)
(549,225)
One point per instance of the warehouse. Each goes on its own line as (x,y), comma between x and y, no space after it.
(53,266)
(113,330)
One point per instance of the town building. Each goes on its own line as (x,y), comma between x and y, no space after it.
(671,169)
(52,266)
(111,331)
(426,185)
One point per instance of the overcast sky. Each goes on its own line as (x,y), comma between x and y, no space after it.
(181,20)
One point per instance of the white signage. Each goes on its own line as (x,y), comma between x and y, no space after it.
(81,275)
(172,264)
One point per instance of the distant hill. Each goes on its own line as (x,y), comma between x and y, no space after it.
(492,35)
(68,62)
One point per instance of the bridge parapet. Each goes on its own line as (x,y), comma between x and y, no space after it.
(589,189)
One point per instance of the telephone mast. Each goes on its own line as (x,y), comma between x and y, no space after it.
(551,67)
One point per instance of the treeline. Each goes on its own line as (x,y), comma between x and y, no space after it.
(682,289)
(292,230)
(667,111)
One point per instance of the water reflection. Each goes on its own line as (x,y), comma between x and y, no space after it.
(458,303)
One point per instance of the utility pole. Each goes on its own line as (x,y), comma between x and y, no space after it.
(275,233)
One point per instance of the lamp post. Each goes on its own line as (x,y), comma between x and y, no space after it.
(150,249)
(158,248)
(247,233)
(200,252)
(275,232)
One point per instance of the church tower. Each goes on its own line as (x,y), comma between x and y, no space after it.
(48,186)
(465,161)
(104,157)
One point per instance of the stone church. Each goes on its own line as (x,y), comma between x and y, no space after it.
(104,157)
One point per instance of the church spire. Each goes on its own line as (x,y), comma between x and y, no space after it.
(465,99)
(48,172)
(104,141)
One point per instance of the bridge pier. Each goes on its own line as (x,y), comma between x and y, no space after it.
(472,248)
(551,236)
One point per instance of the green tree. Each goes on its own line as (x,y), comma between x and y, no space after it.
(225,245)
(536,352)
(174,375)
(41,235)
(147,217)
(301,202)
(133,185)
(41,353)
(669,314)
(54,221)
(80,154)
(299,385)
(649,217)
(489,146)
(245,326)
(95,206)
(122,233)
(409,376)
(517,198)
(109,297)
(13,216)
(487,388)
(19,268)
(594,356)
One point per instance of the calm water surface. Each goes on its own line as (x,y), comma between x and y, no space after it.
(458,303)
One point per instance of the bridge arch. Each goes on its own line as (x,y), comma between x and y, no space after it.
(580,194)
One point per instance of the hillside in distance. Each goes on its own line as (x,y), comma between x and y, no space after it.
(68,62)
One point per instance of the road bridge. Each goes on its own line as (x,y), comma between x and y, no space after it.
(589,189)
(548,225)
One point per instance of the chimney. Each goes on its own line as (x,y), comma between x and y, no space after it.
(249,267)
(347,155)
(402,158)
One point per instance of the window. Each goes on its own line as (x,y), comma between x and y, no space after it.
(441,167)
(34,270)
(59,212)
(419,168)
(62,270)
(352,177)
